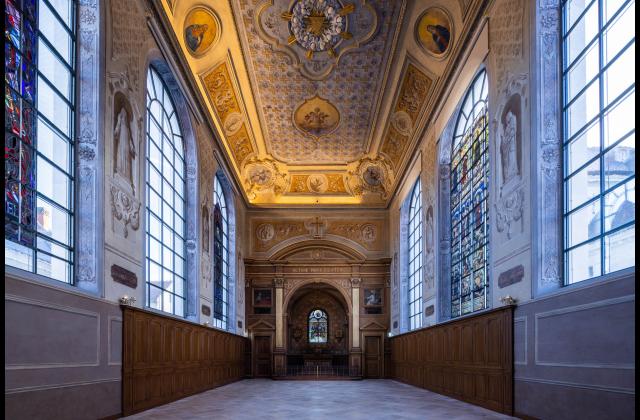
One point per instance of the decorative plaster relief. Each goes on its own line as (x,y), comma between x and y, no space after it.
(223,98)
(315,35)
(126,135)
(372,176)
(506,35)
(124,208)
(264,175)
(267,234)
(128,35)
(367,234)
(318,184)
(509,209)
(413,93)
(507,125)
(316,117)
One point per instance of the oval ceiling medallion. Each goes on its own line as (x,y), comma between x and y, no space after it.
(316,117)
(434,32)
(201,30)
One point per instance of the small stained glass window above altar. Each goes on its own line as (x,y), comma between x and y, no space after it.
(318,327)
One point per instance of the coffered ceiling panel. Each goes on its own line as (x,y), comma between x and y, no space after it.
(317,101)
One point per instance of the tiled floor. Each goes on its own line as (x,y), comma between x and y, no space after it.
(268,399)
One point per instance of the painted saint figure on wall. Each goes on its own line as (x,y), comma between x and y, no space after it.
(125,148)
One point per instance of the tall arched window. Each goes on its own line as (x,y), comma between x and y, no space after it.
(220,257)
(39,131)
(469,191)
(318,326)
(598,72)
(165,198)
(415,257)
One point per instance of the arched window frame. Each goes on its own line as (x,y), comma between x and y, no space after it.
(323,319)
(471,125)
(166,204)
(415,249)
(221,256)
(85,143)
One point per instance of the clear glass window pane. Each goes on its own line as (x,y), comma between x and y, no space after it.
(582,33)
(583,109)
(583,186)
(53,69)
(583,148)
(589,216)
(55,32)
(620,32)
(620,250)
(53,107)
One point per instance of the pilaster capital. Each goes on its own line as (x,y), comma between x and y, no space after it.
(278,282)
(355,282)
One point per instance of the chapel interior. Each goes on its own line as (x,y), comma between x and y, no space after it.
(323,209)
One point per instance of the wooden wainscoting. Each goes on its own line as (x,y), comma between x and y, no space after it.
(470,359)
(165,359)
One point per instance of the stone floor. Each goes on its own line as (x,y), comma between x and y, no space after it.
(268,399)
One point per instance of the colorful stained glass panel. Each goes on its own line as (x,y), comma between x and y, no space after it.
(469,174)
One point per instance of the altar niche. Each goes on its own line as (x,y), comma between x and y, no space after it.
(317,328)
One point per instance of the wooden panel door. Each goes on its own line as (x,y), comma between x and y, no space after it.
(262,356)
(373,357)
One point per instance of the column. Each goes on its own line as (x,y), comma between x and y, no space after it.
(355,356)
(279,356)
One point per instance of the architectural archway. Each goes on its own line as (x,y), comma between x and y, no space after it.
(333,275)
(310,344)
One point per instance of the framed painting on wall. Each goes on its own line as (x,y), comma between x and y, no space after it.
(262,298)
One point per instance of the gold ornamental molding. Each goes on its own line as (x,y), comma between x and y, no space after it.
(220,83)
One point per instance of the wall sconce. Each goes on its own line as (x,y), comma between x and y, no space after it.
(508,300)
(127,300)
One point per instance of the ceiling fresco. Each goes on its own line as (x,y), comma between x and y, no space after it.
(316,101)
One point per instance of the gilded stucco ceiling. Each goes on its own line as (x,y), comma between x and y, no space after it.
(285,78)
(316,101)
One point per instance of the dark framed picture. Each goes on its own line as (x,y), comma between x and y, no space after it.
(262,298)
(373,297)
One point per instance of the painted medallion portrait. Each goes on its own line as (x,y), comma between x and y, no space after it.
(201,30)
(434,32)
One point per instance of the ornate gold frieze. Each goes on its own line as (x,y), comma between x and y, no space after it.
(318,184)
(410,103)
(224,100)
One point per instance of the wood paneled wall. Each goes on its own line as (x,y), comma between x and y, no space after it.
(165,359)
(470,359)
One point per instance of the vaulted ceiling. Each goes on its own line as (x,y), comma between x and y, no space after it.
(318,101)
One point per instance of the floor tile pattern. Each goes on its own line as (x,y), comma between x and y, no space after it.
(267,399)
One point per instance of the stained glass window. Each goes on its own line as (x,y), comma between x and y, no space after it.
(469,211)
(598,73)
(39,131)
(318,330)
(220,257)
(165,198)
(415,257)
